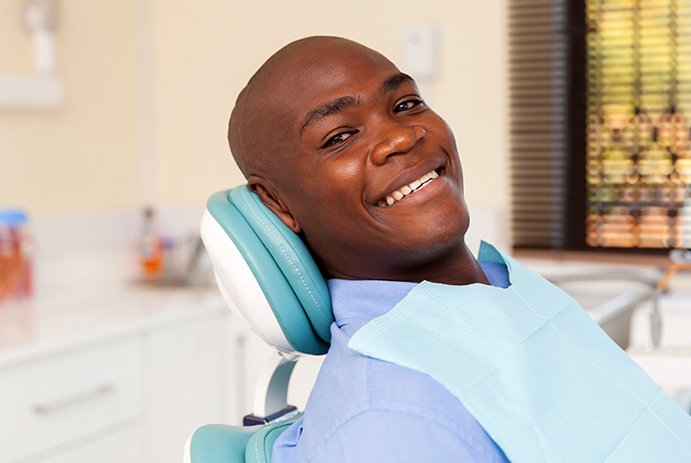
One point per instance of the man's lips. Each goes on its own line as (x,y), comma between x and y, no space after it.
(408,189)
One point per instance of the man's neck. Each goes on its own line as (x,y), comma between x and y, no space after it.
(453,268)
(457,266)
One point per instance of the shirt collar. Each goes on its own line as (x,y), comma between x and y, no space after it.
(365,299)
(356,302)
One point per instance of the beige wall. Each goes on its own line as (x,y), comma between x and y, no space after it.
(151,84)
(84,155)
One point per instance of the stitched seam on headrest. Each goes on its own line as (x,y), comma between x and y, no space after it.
(285,253)
(256,450)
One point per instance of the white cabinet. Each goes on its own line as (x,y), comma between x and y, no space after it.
(186,383)
(117,447)
(131,395)
(62,400)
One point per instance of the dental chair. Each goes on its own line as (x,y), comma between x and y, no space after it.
(271,283)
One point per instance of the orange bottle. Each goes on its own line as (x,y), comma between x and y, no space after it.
(150,246)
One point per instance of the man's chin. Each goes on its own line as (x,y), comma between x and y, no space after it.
(436,220)
(432,236)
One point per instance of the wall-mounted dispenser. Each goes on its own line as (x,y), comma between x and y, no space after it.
(43,88)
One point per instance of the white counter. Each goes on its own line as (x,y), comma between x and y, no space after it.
(53,323)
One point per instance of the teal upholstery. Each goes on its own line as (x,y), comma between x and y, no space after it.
(282,265)
(219,443)
(260,445)
(292,257)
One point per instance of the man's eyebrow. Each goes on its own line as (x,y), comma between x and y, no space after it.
(339,104)
(393,82)
(327,109)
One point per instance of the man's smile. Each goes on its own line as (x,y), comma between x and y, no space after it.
(411,181)
(408,189)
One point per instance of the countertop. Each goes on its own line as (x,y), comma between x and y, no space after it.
(65,318)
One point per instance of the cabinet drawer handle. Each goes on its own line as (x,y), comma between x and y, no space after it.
(73,400)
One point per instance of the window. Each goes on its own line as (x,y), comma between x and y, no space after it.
(600,95)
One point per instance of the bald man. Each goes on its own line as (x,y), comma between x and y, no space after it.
(341,146)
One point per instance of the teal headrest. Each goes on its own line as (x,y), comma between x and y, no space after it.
(282,265)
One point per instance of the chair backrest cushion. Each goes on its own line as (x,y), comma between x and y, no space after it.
(221,443)
(261,444)
(266,273)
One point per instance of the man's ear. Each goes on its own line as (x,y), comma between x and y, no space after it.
(271,200)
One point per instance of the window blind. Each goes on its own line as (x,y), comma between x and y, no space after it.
(539,121)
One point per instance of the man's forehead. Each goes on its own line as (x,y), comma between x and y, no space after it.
(328,80)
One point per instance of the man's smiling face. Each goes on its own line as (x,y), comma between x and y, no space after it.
(360,165)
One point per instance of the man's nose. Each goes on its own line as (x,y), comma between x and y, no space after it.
(397,139)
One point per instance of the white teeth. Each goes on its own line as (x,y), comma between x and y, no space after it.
(425,184)
(410,188)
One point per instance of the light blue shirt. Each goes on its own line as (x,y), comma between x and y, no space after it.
(366,410)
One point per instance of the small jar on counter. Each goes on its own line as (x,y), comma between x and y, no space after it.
(16,275)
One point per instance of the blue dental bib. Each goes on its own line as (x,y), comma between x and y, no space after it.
(539,375)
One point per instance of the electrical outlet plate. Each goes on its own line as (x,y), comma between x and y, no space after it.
(420,51)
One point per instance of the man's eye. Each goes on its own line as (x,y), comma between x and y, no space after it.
(338,138)
(407,105)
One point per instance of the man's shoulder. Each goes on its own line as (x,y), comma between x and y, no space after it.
(351,384)
(360,405)
(356,397)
